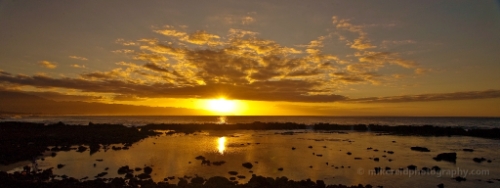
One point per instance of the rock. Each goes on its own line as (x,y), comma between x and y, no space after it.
(468,150)
(129,175)
(124,170)
(459,179)
(138,169)
(450,157)
(101,174)
(375,150)
(197,180)
(349,153)
(376,159)
(369,148)
(81,149)
(479,160)
(148,170)
(319,155)
(412,167)
(232,178)
(234,173)
(200,158)
(293,148)
(421,149)
(144,176)
(241,177)
(357,158)
(218,163)
(280,169)
(182,183)
(247,165)
(436,168)
(440,185)
(390,152)
(218,181)
(59,166)
(310,147)
(171,177)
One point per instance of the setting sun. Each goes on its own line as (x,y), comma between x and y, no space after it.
(221,105)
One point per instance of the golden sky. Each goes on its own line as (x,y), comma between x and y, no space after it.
(399,58)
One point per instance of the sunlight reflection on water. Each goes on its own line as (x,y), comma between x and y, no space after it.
(222,145)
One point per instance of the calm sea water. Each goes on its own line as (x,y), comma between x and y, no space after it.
(482,122)
(329,156)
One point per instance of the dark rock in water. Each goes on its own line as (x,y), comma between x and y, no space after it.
(459,179)
(218,163)
(280,169)
(101,174)
(387,168)
(99,160)
(369,148)
(59,166)
(241,177)
(197,180)
(421,149)
(148,170)
(440,185)
(200,158)
(144,176)
(247,165)
(138,169)
(489,161)
(349,153)
(412,167)
(106,168)
(376,159)
(425,169)
(320,184)
(450,157)
(234,173)
(124,170)
(53,154)
(375,150)
(357,158)
(218,181)
(171,177)
(390,152)
(377,170)
(310,166)
(479,160)
(319,155)
(436,168)
(468,150)
(182,183)
(293,148)
(81,149)
(129,175)
(232,178)
(310,147)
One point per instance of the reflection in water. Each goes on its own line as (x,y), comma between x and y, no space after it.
(222,144)
(222,120)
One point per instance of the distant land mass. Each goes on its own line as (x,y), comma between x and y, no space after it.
(22,103)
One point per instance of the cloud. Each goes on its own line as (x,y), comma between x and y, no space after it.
(57,96)
(240,65)
(47,64)
(466,95)
(78,58)
(78,66)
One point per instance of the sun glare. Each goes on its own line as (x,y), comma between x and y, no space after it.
(221,105)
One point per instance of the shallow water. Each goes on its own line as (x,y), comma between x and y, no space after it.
(175,156)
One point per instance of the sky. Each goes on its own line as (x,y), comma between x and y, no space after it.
(336,58)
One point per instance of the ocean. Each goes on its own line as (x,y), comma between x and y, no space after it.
(466,122)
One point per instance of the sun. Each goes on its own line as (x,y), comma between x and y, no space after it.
(221,105)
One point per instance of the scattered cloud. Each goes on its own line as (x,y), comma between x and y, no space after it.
(78,66)
(466,95)
(239,65)
(78,58)
(47,64)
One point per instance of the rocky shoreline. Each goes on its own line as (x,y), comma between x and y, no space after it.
(47,179)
